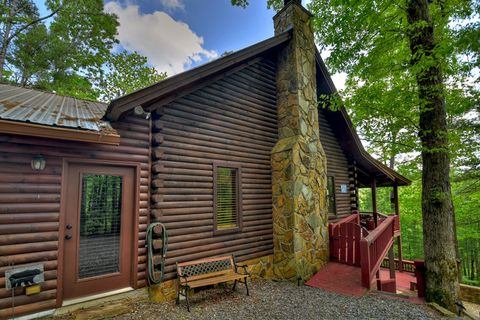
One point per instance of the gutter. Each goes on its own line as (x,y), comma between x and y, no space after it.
(36,130)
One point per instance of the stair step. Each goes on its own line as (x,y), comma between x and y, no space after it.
(388,285)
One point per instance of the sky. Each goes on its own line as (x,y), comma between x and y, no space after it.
(176,35)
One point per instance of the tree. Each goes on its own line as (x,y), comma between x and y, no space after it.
(29,55)
(439,234)
(65,56)
(79,43)
(127,72)
(16,17)
(398,82)
(72,56)
(393,39)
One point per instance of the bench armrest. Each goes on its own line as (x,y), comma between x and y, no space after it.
(183,277)
(244,267)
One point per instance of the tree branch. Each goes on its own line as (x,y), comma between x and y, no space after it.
(31,23)
(394,115)
(393,142)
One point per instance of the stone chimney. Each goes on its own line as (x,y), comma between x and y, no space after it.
(298,161)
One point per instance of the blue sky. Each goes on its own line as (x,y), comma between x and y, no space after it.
(176,35)
(179,34)
(222,26)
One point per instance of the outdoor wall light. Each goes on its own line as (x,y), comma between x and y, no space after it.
(38,163)
(139,111)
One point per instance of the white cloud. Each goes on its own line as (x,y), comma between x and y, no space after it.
(339,80)
(170,46)
(173,4)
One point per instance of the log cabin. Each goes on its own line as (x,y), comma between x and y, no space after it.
(232,157)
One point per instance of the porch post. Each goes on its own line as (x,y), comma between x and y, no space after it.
(399,238)
(391,261)
(374,201)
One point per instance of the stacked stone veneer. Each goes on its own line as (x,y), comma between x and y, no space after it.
(298,160)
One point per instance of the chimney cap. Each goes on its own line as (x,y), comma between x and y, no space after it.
(285,2)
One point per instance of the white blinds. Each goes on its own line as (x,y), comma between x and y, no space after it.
(226,197)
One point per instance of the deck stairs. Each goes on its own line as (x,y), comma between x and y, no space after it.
(353,245)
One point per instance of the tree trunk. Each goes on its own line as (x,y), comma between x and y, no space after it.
(6,36)
(439,238)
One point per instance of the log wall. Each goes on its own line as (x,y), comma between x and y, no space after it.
(233,119)
(337,166)
(30,205)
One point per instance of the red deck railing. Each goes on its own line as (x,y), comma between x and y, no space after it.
(407,265)
(345,238)
(374,247)
(382,218)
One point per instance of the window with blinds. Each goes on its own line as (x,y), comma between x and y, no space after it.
(331,195)
(227,215)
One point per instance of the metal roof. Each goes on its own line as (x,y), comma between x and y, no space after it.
(39,107)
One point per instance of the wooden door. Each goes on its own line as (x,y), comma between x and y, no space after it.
(98,229)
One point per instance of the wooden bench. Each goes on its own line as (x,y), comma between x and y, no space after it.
(209,271)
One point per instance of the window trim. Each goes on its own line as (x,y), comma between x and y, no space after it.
(334,213)
(238,169)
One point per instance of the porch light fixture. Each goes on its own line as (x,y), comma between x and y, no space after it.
(38,163)
(139,111)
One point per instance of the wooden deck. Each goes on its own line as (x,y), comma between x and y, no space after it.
(339,278)
(344,279)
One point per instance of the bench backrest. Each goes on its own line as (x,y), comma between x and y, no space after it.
(204,268)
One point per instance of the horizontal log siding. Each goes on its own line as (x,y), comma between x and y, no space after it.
(353,174)
(233,119)
(30,205)
(337,165)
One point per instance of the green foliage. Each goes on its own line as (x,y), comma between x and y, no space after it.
(82,35)
(275,4)
(69,84)
(62,56)
(126,73)
(368,40)
(72,55)
(30,54)
(239,3)
(80,39)
(101,205)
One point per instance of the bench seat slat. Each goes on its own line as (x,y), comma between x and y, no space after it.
(209,275)
(213,280)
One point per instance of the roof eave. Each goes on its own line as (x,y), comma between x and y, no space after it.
(61,133)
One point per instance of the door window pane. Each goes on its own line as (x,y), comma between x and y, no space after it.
(100,215)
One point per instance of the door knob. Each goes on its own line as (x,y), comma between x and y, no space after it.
(68,226)
(68,237)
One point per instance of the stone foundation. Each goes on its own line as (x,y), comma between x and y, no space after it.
(260,267)
(166,291)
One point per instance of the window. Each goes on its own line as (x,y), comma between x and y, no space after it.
(227,198)
(100,224)
(331,195)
